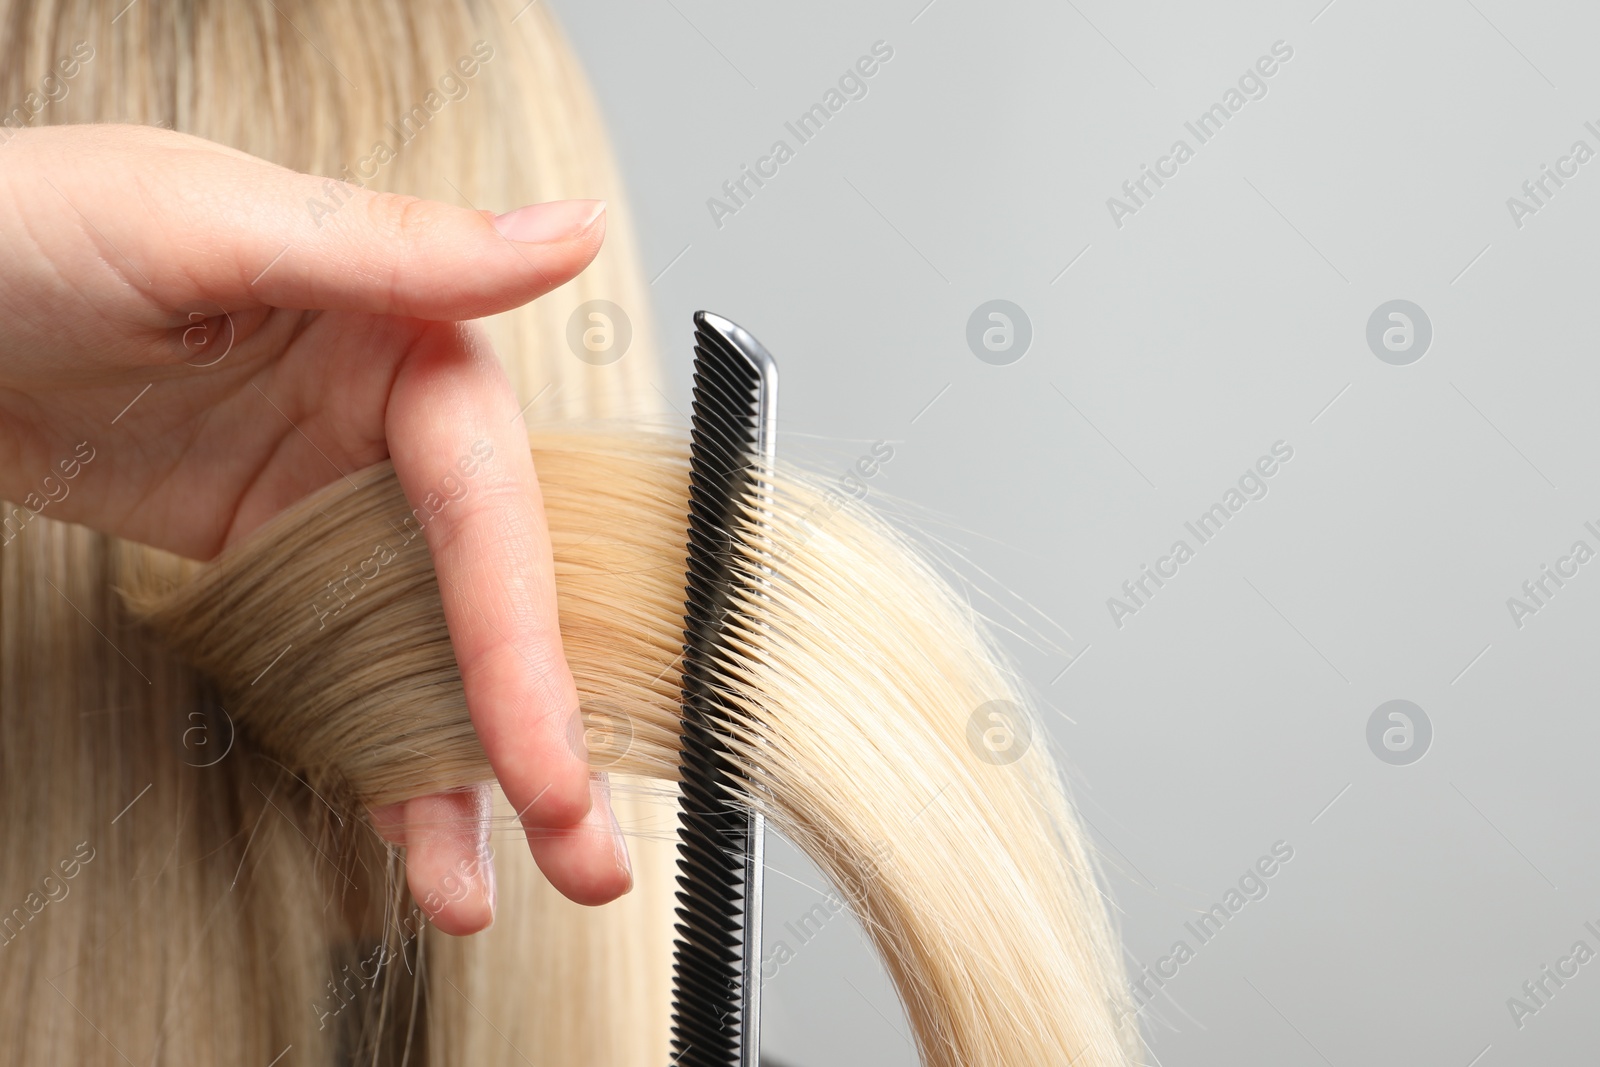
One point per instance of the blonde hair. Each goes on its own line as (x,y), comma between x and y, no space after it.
(228,869)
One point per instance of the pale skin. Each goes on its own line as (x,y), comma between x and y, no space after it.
(350,343)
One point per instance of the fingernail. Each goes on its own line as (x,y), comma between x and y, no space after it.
(619,847)
(490,889)
(559,220)
(488,901)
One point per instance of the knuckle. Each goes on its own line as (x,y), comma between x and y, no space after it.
(407,219)
(561,808)
(406,226)
(495,515)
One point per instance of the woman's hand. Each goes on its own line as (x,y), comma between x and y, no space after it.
(344,340)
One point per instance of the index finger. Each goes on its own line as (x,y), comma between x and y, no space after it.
(461,454)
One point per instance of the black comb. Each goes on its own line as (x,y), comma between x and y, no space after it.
(716,958)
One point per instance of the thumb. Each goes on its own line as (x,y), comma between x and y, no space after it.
(190,220)
(390,254)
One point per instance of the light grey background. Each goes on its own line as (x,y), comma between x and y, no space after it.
(1229,313)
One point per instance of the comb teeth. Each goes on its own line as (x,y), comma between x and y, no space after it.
(716,972)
